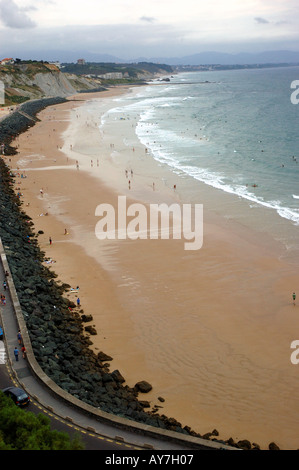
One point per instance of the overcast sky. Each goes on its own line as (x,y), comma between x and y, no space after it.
(131,29)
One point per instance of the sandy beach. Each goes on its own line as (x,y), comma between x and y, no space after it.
(5,110)
(209,329)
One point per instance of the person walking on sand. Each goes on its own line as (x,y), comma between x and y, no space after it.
(78,302)
(50,240)
(294,298)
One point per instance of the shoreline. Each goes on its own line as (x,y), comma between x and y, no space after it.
(87,377)
(122,279)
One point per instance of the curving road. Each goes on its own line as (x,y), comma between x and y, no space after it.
(91,441)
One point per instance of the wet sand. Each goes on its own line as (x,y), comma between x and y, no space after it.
(209,329)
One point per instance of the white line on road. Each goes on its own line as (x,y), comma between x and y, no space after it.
(2,353)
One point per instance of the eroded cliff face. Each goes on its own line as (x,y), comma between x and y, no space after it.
(40,81)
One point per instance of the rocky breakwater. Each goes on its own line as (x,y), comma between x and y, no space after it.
(57,328)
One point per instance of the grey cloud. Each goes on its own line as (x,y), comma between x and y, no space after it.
(275,23)
(261,20)
(280,23)
(13,16)
(143,39)
(148,19)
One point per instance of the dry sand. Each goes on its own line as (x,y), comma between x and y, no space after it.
(5,110)
(209,329)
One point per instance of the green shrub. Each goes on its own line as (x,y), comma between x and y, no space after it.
(23,430)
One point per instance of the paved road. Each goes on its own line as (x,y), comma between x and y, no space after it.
(90,440)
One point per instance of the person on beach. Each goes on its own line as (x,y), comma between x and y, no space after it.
(4,285)
(78,302)
(16,353)
(50,240)
(294,298)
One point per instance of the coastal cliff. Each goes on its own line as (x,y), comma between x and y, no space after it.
(29,80)
(35,80)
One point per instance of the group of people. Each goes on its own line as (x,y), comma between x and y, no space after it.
(23,349)
(2,296)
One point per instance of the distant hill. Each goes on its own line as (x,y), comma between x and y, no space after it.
(139,71)
(212,57)
(202,58)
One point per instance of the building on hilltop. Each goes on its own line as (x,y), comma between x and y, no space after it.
(81,62)
(6,61)
(112,76)
(56,63)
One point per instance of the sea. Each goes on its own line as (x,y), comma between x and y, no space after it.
(234,131)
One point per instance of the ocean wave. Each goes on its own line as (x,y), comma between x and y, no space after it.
(218,181)
(178,147)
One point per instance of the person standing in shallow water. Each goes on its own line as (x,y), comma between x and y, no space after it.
(294,298)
